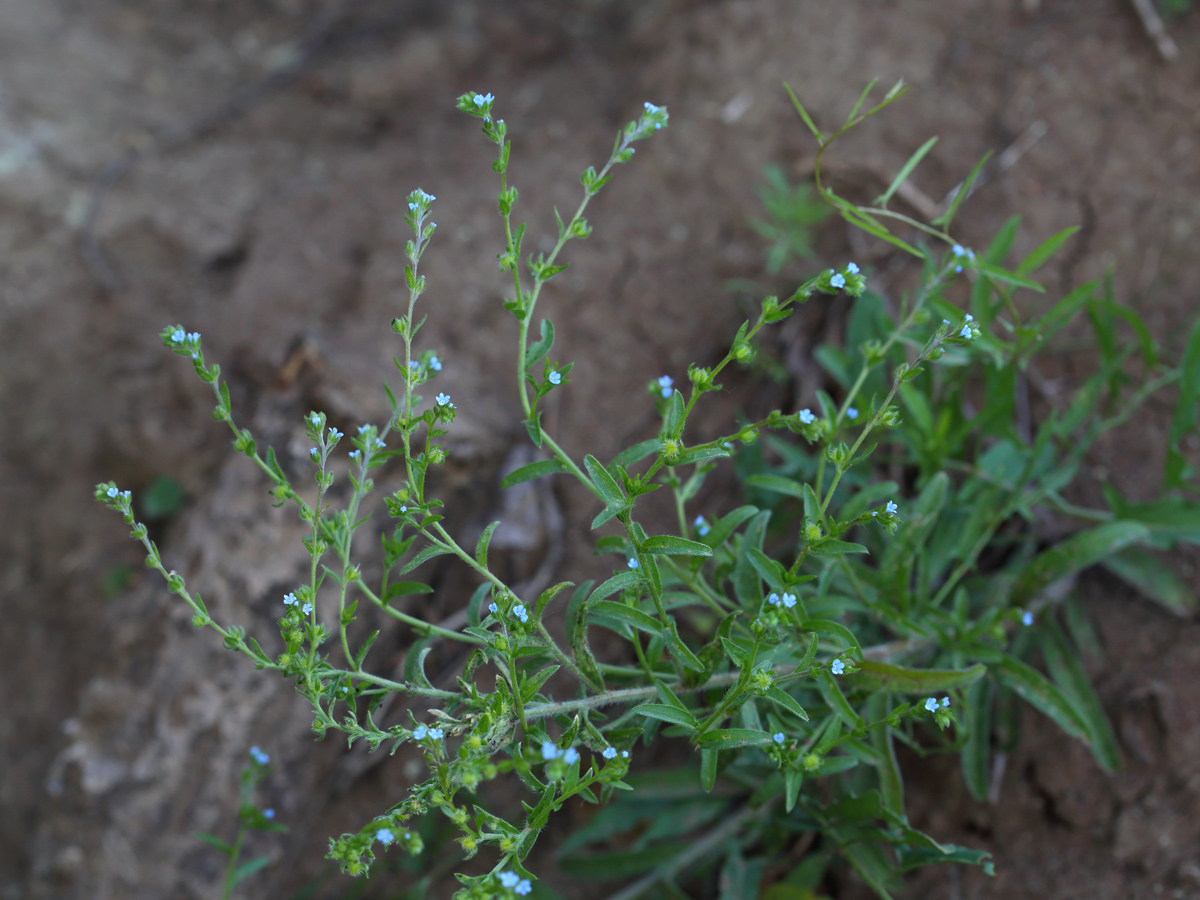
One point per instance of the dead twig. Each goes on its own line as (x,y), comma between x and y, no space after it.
(1153,24)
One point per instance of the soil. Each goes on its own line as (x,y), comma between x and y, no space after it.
(241,168)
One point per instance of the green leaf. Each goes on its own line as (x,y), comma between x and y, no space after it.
(871,864)
(976,754)
(638,452)
(414,661)
(549,594)
(604,482)
(777,485)
(1153,578)
(1036,690)
(539,350)
(1074,554)
(803,113)
(833,547)
(679,649)
(403,588)
(1170,519)
(669,545)
(422,555)
(1042,254)
(621,864)
(1183,422)
(905,171)
(787,701)
(532,471)
(731,738)
(626,614)
(881,676)
(832,692)
(246,869)
(665,713)
(829,626)
(708,768)
(618,582)
(997,274)
(745,577)
(725,526)
(964,191)
(481,547)
(214,841)
(1068,673)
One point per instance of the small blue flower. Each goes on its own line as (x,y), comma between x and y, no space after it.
(837,281)
(194,336)
(268,813)
(493,608)
(306,609)
(773,599)
(523,887)
(891,507)
(414,365)
(379,445)
(315,419)
(968,317)
(435,364)
(178,335)
(520,613)
(259,757)
(482,100)
(570,755)
(624,754)
(444,400)
(806,416)
(384,836)
(509,879)
(931,704)
(609,753)
(852,268)
(413,206)
(314,453)
(778,738)
(851,413)
(435,734)
(664,385)
(633,563)
(837,667)
(420,732)
(789,600)
(112,491)
(701,525)
(554,378)
(549,751)
(957,250)
(966,332)
(289,599)
(1027,619)
(354,454)
(335,435)
(945,702)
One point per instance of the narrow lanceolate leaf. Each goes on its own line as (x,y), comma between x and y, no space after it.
(1152,577)
(879,676)
(604,482)
(666,713)
(626,614)
(902,175)
(669,545)
(787,701)
(1038,691)
(832,692)
(1042,254)
(532,471)
(428,553)
(481,548)
(731,738)
(777,485)
(1184,420)
(1074,554)
(1068,673)
(977,752)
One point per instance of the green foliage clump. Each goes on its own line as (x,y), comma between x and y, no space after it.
(789,644)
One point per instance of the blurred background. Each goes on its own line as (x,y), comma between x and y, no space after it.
(241,168)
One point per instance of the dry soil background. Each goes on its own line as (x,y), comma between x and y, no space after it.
(252,160)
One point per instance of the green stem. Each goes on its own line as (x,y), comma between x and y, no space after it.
(227,890)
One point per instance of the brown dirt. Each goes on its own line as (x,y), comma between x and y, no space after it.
(275,229)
